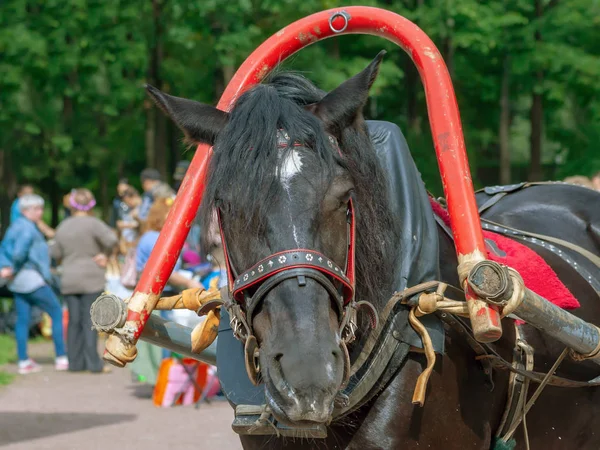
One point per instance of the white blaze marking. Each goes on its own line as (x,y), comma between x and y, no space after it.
(290,167)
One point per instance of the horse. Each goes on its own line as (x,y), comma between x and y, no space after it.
(294,169)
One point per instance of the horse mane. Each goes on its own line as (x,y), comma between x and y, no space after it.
(242,176)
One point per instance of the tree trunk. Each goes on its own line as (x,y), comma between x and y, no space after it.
(9,189)
(152,118)
(161,149)
(150,133)
(228,73)
(447,43)
(104,195)
(504,127)
(335,49)
(537,112)
(411,90)
(173,139)
(536,117)
(160,146)
(55,197)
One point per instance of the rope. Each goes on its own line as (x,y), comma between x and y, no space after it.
(192,299)
(202,302)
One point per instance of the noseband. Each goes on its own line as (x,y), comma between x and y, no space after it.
(250,287)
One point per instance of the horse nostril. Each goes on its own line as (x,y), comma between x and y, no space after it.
(278,357)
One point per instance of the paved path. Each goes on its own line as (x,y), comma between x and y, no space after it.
(57,410)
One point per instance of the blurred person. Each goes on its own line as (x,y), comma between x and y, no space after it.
(129,228)
(217,278)
(154,188)
(27,189)
(580,180)
(25,261)
(146,364)
(180,171)
(157,217)
(119,207)
(24,189)
(81,244)
(65,205)
(128,224)
(596,181)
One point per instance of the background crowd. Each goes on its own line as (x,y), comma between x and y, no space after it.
(62,271)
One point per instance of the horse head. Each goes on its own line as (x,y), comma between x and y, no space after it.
(292,169)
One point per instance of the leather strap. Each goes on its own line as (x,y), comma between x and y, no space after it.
(576,248)
(383,353)
(491,202)
(500,363)
(299,273)
(288,260)
(498,192)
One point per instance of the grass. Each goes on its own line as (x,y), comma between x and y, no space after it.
(7,354)
(6,378)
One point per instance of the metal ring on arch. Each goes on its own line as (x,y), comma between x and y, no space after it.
(334,16)
(271,282)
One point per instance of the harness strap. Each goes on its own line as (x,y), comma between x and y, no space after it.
(518,385)
(300,273)
(500,363)
(383,353)
(539,239)
(498,192)
(582,251)
(491,202)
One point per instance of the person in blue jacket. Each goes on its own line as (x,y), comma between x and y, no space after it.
(25,263)
(15,213)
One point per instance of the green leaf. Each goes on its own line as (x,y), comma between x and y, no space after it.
(32,128)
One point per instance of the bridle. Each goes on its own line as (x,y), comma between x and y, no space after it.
(248,288)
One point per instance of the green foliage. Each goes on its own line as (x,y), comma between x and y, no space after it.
(73,111)
(7,354)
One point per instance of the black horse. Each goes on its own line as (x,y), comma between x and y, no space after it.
(291,164)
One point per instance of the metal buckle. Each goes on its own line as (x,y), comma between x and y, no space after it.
(238,323)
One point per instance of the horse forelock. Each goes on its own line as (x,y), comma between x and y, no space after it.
(248,171)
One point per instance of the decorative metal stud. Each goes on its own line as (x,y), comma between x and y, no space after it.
(282,259)
(309,257)
(260,268)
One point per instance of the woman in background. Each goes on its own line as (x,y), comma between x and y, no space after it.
(128,224)
(156,219)
(146,364)
(25,263)
(82,243)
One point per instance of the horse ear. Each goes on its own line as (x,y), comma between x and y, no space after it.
(341,107)
(199,122)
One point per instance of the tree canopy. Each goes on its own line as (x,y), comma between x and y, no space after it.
(73,111)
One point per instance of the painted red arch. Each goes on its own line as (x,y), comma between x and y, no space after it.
(445,125)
